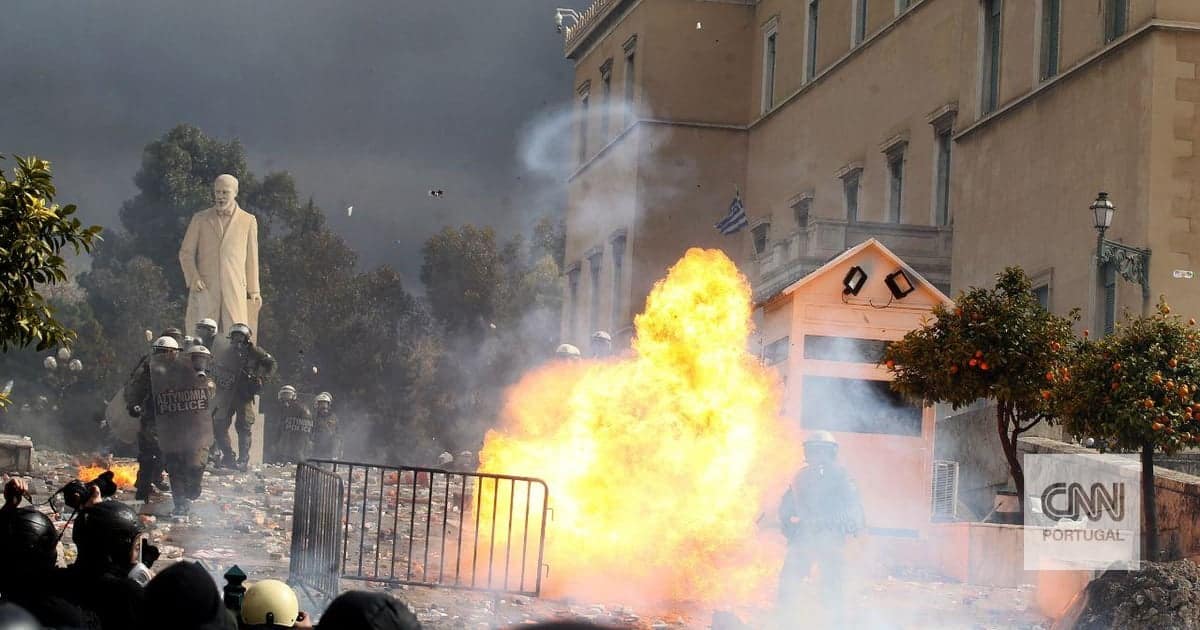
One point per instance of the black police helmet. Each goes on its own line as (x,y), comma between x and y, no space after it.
(107,531)
(28,539)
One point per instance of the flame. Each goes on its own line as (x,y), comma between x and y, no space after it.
(123,474)
(659,466)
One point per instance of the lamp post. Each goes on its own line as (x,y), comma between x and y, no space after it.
(63,371)
(1131,263)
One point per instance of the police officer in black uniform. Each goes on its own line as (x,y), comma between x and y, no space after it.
(137,399)
(818,512)
(327,444)
(254,365)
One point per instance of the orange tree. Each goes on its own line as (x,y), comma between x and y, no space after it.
(1138,390)
(998,344)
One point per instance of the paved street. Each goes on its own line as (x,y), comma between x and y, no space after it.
(245,519)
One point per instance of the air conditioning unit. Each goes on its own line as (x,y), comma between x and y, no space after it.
(945,490)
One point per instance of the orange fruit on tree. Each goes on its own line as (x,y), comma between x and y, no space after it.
(954,369)
(1045,394)
(973,362)
(983,366)
(1157,426)
(978,353)
(1148,403)
(1173,363)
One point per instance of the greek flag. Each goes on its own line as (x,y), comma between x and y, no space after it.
(735,220)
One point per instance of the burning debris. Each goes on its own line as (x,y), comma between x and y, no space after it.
(660,466)
(124,474)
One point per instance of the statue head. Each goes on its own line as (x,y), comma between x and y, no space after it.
(225,189)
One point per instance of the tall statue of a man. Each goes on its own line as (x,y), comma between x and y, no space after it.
(219,257)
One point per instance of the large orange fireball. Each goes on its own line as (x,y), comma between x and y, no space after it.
(659,466)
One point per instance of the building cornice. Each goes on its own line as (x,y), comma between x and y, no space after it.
(649,121)
(1087,62)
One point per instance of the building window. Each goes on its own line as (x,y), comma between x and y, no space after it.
(630,49)
(877,409)
(991,55)
(618,254)
(801,211)
(850,185)
(895,165)
(1051,29)
(1042,295)
(1116,19)
(594,311)
(810,62)
(762,236)
(583,127)
(768,76)
(902,6)
(844,349)
(776,352)
(573,307)
(605,97)
(860,22)
(941,201)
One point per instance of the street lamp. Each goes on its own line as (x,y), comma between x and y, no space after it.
(63,370)
(1132,263)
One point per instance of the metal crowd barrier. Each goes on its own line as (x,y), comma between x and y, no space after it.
(430,527)
(315,563)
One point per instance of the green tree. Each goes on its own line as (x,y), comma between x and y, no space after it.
(34,232)
(1138,389)
(461,271)
(998,344)
(127,298)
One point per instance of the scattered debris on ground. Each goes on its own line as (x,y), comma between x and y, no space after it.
(246,519)
(1162,596)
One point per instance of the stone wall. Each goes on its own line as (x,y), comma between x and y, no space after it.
(1177,495)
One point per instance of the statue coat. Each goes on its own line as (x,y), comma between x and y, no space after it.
(228,265)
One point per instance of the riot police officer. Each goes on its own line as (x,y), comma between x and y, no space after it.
(252,365)
(296,432)
(601,345)
(326,443)
(567,352)
(175,334)
(183,394)
(206,332)
(818,512)
(138,398)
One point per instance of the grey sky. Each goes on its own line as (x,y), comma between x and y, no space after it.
(369,103)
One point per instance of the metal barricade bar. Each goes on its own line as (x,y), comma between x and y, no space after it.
(314,563)
(433,527)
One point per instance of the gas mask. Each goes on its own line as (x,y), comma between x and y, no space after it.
(200,364)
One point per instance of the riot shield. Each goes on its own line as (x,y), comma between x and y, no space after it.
(224,368)
(182,406)
(295,429)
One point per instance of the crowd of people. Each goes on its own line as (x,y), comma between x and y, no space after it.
(111,585)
